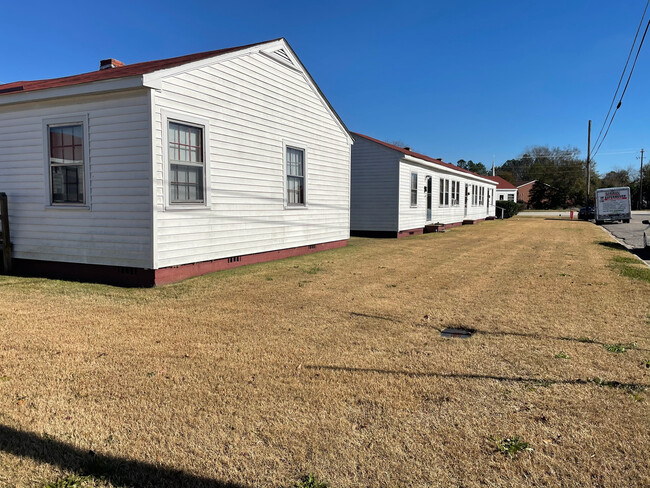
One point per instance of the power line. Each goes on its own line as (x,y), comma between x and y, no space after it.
(598,144)
(623,73)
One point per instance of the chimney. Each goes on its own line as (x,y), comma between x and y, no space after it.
(110,63)
(407,148)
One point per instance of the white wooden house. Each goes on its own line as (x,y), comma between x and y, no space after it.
(152,172)
(397,192)
(505,189)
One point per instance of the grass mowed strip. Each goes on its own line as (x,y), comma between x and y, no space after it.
(330,369)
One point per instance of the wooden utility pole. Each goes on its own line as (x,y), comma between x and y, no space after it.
(641,183)
(588,162)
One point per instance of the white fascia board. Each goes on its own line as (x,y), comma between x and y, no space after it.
(154,78)
(102,86)
(439,167)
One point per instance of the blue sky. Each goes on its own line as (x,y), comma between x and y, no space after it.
(453,79)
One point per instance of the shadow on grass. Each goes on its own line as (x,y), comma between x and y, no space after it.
(520,379)
(119,471)
(612,245)
(641,252)
(583,340)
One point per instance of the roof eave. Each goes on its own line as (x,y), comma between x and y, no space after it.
(424,162)
(89,88)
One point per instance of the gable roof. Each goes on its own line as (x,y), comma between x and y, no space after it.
(147,67)
(501,183)
(408,152)
(135,69)
(526,183)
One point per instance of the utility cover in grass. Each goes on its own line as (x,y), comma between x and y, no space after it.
(457,333)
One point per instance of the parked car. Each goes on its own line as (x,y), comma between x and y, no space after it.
(646,235)
(587,213)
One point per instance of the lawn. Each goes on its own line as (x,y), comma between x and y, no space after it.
(333,365)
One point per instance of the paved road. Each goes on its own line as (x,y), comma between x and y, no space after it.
(632,233)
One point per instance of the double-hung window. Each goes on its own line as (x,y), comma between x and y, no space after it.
(66,161)
(414,189)
(186,163)
(442,192)
(295,176)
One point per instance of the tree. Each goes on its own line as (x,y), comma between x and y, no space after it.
(619,177)
(399,143)
(470,165)
(559,168)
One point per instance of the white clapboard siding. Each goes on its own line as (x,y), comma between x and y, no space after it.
(116,229)
(413,217)
(374,194)
(253,104)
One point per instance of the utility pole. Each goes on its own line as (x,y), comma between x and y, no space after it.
(641,183)
(588,162)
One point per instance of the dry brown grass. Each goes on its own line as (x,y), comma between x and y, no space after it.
(326,364)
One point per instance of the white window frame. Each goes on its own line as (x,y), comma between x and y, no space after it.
(65,120)
(192,121)
(413,191)
(305,163)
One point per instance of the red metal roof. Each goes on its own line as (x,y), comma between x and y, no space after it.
(117,72)
(418,155)
(501,183)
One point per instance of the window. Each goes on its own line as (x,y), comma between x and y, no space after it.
(186,163)
(511,197)
(446,192)
(295,176)
(414,189)
(66,160)
(501,197)
(442,192)
(455,192)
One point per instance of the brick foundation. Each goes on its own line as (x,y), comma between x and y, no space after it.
(177,273)
(410,232)
(140,277)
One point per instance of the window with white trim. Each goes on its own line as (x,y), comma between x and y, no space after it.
(455,193)
(295,159)
(442,191)
(511,197)
(67,163)
(186,163)
(414,189)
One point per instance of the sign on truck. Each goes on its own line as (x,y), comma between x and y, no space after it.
(613,204)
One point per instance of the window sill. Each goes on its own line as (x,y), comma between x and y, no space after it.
(69,208)
(178,208)
(296,207)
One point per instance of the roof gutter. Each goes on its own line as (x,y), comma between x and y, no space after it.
(429,164)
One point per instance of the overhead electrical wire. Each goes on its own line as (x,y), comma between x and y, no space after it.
(599,141)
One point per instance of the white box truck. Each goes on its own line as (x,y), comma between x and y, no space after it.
(613,204)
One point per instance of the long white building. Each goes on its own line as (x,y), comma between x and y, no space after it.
(397,192)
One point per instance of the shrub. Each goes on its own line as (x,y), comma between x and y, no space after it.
(510,209)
